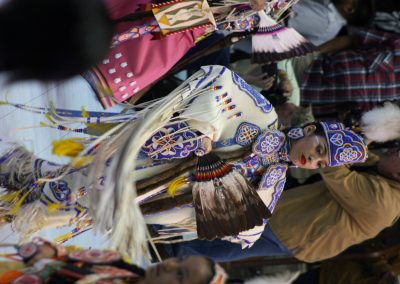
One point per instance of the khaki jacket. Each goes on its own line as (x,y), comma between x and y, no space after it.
(321,220)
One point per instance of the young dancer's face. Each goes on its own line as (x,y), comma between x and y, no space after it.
(311,151)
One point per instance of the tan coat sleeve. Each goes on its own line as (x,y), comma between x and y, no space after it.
(370,201)
(347,186)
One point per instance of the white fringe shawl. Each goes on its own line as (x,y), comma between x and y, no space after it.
(114,209)
(112,206)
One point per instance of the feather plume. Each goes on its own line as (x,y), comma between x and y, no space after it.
(382,124)
(274,42)
(225,203)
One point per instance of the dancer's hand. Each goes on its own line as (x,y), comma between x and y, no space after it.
(205,148)
(262,81)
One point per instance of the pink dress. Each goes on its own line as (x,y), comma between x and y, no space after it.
(135,64)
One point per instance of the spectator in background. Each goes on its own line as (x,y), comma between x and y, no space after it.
(321,20)
(48,263)
(362,68)
(384,270)
(373,262)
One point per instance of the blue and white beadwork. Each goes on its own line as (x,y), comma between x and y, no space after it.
(295,133)
(258,99)
(284,152)
(270,159)
(232,141)
(274,179)
(337,139)
(268,142)
(280,185)
(272,175)
(170,142)
(248,167)
(344,146)
(246,133)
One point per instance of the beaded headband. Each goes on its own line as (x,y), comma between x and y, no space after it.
(344,146)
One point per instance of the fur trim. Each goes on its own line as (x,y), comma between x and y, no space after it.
(382,124)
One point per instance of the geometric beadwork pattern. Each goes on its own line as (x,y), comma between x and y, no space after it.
(344,146)
(269,142)
(274,179)
(173,141)
(295,133)
(246,133)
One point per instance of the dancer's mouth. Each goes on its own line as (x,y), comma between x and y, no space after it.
(303,160)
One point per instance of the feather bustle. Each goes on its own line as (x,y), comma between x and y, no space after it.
(274,42)
(225,204)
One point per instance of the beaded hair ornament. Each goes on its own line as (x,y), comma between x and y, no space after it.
(295,133)
(344,146)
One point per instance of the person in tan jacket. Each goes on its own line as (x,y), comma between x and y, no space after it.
(384,270)
(377,263)
(318,221)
